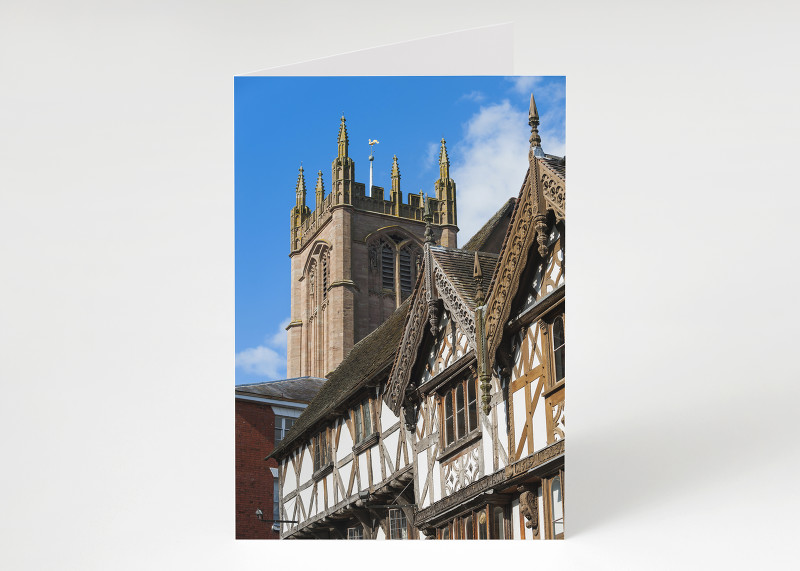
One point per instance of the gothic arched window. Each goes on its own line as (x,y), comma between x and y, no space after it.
(394,263)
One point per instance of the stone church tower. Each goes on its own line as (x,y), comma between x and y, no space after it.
(355,258)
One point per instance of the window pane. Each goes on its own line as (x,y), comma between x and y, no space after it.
(499,523)
(482,525)
(472,405)
(460,420)
(367,419)
(275,499)
(446,533)
(468,531)
(397,524)
(558,507)
(448,417)
(357,423)
(558,347)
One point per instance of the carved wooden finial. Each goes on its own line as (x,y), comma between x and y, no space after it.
(477,273)
(533,121)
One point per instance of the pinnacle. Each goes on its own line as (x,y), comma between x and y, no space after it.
(532,111)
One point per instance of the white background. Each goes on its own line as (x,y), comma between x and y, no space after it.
(117,292)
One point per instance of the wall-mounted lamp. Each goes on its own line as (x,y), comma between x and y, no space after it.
(259,514)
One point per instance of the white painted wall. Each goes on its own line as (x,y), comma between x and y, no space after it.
(539,426)
(363,475)
(391,447)
(290,483)
(388,419)
(345,472)
(375,456)
(307,467)
(345,443)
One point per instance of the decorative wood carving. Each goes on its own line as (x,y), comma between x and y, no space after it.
(521,233)
(459,310)
(554,191)
(406,356)
(529,507)
(494,480)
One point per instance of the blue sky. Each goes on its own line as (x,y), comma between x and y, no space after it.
(281,121)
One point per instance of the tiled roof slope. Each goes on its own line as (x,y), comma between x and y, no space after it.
(495,228)
(367,359)
(300,389)
(459,265)
(558,164)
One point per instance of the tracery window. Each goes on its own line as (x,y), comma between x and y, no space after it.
(460,411)
(394,261)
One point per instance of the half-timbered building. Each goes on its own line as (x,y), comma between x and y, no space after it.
(447,421)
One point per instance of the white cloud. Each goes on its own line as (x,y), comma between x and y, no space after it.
(269,359)
(262,360)
(489,164)
(524,84)
(431,156)
(476,96)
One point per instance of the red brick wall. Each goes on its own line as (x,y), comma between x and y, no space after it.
(255,435)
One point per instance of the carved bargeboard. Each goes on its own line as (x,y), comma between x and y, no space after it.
(451,344)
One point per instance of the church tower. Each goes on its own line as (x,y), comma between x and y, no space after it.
(355,258)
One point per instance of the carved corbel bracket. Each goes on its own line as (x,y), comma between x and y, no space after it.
(410,411)
(530,509)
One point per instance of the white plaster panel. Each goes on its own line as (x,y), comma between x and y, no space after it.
(380,534)
(487,445)
(288,508)
(422,472)
(539,426)
(345,443)
(519,416)
(290,484)
(515,519)
(362,472)
(388,419)
(344,472)
(375,456)
(305,496)
(391,446)
(307,468)
(437,483)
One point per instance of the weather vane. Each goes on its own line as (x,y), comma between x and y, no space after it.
(371,157)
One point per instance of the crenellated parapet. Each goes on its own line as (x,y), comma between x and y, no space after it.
(345,191)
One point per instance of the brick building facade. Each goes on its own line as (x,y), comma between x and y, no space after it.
(264,413)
